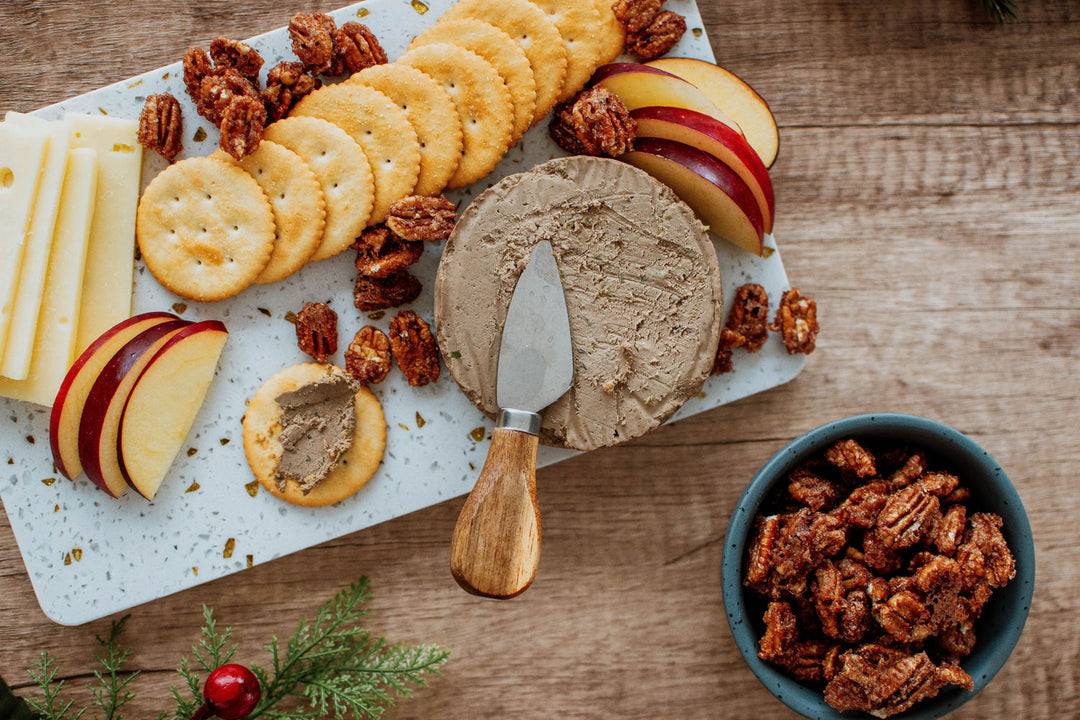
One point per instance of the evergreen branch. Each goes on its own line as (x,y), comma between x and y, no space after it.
(49,706)
(111,692)
(1002,10)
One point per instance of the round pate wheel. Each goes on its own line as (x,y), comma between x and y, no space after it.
(643,292)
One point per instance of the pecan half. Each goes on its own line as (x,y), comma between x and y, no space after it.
(316,331)
(780,631)
(197,65)
(161,125)
(595,123)
(851,458)
(227,53)
(796,321)
(636,15)
(380,293)
(381,253)
(312,37)
(355,48)
(414,348)
(368,356)
(286,83)
(218,90)
(422,218)
(242,126)
(660,35)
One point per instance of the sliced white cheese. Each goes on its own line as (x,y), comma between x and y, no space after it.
(20,340)
(54,344)
(110,259)
(22,153)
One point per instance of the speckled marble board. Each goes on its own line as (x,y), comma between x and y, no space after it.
(89,555)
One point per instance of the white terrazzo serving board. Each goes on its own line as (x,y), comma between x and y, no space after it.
(89,555)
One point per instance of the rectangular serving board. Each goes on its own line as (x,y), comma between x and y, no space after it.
(89,555)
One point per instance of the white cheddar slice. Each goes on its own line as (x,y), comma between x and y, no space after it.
(20,341)
(110,260)
(22,153)
(54,344)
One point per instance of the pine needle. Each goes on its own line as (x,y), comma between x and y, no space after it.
(1002,10)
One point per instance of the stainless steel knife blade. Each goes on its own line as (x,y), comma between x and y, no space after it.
(536,362)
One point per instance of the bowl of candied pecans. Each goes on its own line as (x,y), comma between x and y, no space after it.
(879,564)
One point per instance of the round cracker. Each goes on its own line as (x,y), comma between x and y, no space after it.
(296,198)
(432,114)
(576,21)
(531,29)
(262,427)
(380,128)
(205,228)
(499,49)
(482,100)
(610,33)
(343,172)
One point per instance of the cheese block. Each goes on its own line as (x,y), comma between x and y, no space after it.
(20,341)
(54,343)
(110,259)
(643,293)
(22,154)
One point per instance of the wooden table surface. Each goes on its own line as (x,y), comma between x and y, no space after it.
(927,194)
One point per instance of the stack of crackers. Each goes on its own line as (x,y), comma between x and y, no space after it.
(439,117)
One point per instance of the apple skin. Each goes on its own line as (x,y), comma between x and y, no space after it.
(717,195)
(101,416)
(70,399)
(639,85)
(163,403)
(717,139)
(734,97)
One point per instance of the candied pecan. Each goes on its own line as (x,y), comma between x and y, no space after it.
(316,331)
(242,126)
(381,253)
(197,66)
(380,293)
(906,474)
(884,681)
(766,534)
(864,504)
(787,547)
(286,83)
(984,555)
(780,631)
(635,15)
(312,37)
(227,53)
(368,356)
(161,125)
(796,321)
(906,516)
(957,640)
(417,217)
(598,123)
(749,315)
(950,530)
(219,90)
(844,613)
(811,490)
(877,554)
(355,48)
(729,340)
(660,35)
(810,660)
(938,483)
(851,458)
(414,348)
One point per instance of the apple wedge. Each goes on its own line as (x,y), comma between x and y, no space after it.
(100,424)
(734,97)
(164,401)
(719,197)
(717,139)
(639,85)
(67,409)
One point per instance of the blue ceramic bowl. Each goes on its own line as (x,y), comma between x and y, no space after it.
(1002,620)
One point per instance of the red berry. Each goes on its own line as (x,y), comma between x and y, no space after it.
(232,692)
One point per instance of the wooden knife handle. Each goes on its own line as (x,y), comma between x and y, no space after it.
(495,549)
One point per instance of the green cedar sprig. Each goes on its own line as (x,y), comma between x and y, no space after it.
(1002,10)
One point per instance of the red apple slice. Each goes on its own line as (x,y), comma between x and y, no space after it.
(643,86)
(734,97)
(67,409)
(719,197)
(100,423)
(164,401)
(717,139)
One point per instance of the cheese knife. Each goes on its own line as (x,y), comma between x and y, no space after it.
(495,549)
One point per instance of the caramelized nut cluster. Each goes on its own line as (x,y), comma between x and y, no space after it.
(875,571)
(650,31)
(324,48)
(595,122)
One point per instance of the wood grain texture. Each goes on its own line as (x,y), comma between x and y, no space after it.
(926,196)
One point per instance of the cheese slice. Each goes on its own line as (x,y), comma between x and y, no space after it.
(54,344)
(22,153)
(20,341)
(110,259)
